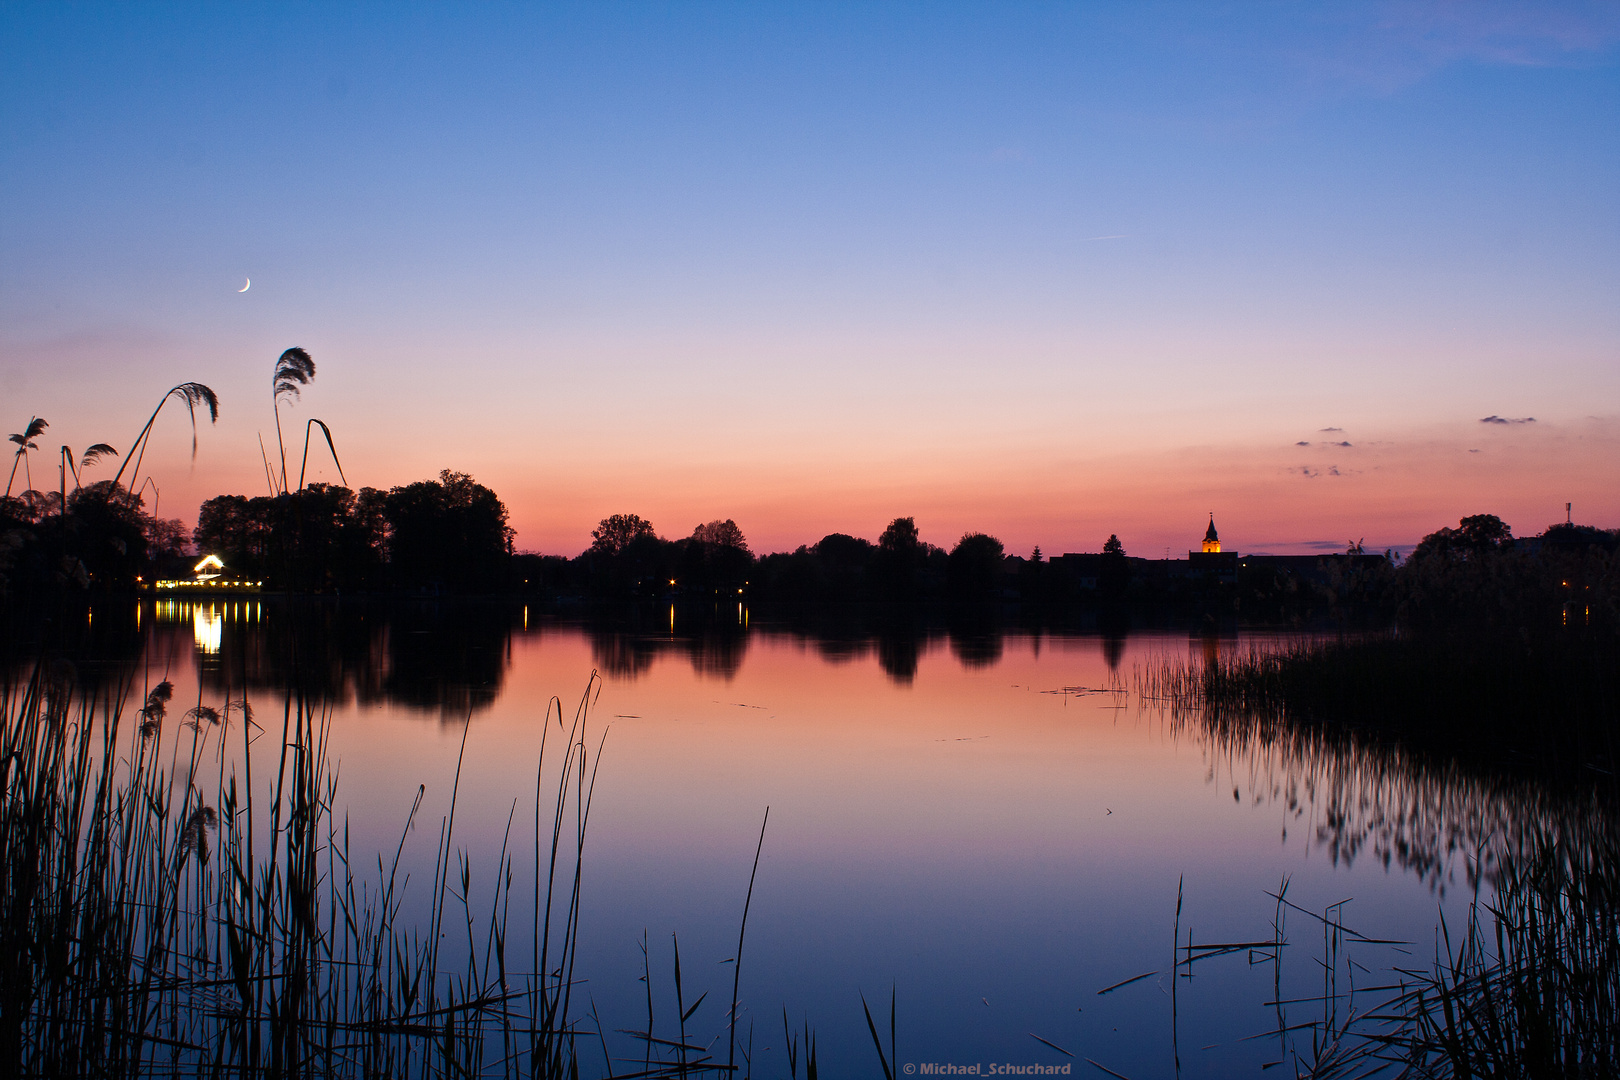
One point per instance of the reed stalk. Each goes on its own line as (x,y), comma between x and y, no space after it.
(165,910)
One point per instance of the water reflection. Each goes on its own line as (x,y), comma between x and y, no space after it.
(450,661)
(1355,796)
(208,624)
(1359,796)
(950,783)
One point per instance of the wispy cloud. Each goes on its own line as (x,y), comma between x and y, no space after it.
(1302,443)
(1507,420)
(1330,430)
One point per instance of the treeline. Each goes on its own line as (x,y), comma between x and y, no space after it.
(627,559)
(98,538)
(1478,575)
(444,535)
(450,536)
(1476,572)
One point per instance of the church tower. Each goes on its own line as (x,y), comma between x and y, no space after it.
(1212,540)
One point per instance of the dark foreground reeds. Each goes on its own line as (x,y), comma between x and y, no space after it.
(1531,987)
(1528,986)
(178,899)
(1547,704)
(1500,748)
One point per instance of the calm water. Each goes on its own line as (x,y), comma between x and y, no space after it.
(990,823)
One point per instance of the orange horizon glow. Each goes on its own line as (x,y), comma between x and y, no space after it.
(1389,488)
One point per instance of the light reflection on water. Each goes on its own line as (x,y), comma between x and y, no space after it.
(987,820)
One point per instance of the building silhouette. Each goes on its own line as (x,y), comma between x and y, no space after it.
(1211,562)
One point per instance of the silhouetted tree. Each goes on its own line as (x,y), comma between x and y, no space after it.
(613,533)
(900,553)
(714,560)
(237,529)
(975,565)
(451,533)
(721,534)
(1113,578)
(1474,535)
(106,537)
(900,538)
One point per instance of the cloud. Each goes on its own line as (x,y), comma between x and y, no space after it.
(1333,470)
(1308,473)
(1473,451)
(1341,444)
(1493,419)
(1331,430)
(1302,443)
(1382,48)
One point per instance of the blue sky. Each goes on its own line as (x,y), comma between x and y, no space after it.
(1044,270)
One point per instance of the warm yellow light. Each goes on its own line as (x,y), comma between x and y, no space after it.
(208,629)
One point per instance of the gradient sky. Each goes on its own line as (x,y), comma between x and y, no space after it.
(1050,271)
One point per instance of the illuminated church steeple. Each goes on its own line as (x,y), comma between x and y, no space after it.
(1212,540)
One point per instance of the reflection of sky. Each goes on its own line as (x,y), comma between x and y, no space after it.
(1049,271)
(972,836)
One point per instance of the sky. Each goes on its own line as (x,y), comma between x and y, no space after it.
(1047,271)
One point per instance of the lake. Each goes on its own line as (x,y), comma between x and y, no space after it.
(994,823)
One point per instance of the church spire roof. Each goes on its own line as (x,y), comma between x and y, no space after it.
(1210,535)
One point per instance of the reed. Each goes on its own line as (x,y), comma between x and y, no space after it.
(1543,704)
(1440,735)
(1532,988)
(177,899)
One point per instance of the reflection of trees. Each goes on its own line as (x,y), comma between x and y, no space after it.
(898,655)
(718,652)
(450,657)
(101,649)
(713,641)
(447,659)
(1365,797)
(976,638)
(623,656)
(899,635)
(1113,647)
(1115,625)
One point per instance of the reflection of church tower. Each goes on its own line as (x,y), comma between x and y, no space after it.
(1212,541)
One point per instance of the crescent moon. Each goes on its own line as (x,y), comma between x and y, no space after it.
(246,286)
